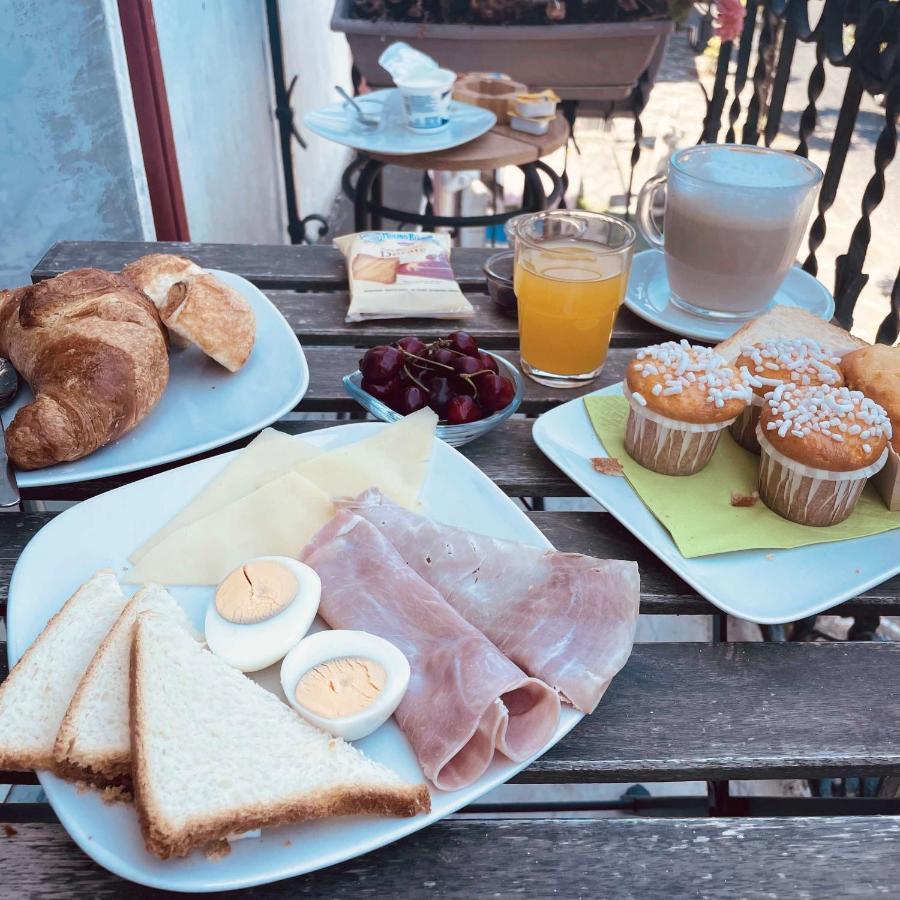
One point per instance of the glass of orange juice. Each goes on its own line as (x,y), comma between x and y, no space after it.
(570,273)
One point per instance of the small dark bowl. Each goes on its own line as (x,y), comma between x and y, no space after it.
(499,272)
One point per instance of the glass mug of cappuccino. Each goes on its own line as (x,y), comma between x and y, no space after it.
(735,217)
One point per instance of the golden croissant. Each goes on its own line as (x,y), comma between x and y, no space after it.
(93,350)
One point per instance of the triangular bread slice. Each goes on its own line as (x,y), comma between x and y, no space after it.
(788,322)
(35,696)
(94,740)
(214,754)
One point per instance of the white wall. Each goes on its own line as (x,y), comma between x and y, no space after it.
(218,73)
(321,59)
(70,161)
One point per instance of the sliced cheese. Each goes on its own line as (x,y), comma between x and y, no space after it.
(270,454)
(277,519)
(394,460)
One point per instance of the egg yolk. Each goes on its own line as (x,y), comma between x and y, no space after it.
(341,687)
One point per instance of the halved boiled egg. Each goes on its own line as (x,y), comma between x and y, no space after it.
(261,610)
(347,683)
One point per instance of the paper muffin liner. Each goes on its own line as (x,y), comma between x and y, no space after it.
(807,495)
(743,428)
(669,446)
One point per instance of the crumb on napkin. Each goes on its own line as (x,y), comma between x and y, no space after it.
(739,499)
(607,465)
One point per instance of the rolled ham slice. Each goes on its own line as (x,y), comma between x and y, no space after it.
(465,698)
(565,618)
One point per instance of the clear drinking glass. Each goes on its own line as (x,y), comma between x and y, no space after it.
(735,217)
(570,274)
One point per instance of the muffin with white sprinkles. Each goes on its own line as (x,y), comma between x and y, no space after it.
(819,445)
(765,365)
(681,398)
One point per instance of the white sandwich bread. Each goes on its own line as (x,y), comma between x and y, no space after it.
(788,322)
(94,739)
(35,696)
(214,754)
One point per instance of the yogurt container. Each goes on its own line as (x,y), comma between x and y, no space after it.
(425,88)
(426,99)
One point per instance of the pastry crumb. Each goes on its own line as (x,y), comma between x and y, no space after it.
(770,556)
(217,850)
(9,831)
(739,499)
(607,465)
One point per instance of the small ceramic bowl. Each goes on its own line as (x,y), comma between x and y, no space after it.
(455,435)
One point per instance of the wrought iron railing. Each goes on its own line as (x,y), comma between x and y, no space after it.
(862,36)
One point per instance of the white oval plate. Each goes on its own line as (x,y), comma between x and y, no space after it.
(338,122)
(764,586)
(101,532)
(204,405)
(647,295)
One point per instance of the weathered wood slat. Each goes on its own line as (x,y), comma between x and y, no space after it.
(466,857)
(318,318)
(592,533)
(507,455)
(699,711)
(316,268)
(719,711)
(328,365)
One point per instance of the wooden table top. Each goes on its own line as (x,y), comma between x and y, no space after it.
(677,711)
(501,146)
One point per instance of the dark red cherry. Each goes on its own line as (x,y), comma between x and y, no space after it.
(466,365)
(381,364)
(461,410)
(412,344)
(411,399)
(384,392)
(488,361)
(463,342)
(442,355)
(495,392)
(441,394)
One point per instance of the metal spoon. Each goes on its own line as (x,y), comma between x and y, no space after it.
(364,118)
(9,387)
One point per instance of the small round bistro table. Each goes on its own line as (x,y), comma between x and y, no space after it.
(499,147)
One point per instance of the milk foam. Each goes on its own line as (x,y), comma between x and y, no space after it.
(743,167)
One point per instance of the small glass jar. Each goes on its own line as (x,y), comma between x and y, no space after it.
(499,272)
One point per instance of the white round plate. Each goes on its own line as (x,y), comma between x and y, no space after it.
(647,295)
(338,122)
(204,405)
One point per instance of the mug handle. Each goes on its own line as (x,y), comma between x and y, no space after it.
(644,214)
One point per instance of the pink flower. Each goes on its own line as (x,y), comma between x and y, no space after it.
(729,19)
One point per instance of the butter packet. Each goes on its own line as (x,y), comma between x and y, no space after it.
(399,274)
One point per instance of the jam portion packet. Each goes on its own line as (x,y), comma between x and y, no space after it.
(398,274)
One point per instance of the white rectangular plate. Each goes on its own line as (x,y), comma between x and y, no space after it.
(204,405)
(764,586)
(102,532)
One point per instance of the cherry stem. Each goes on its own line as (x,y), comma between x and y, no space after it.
(413,378)
(423,360)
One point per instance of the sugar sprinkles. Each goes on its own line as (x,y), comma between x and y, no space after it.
(802,358)
(836,413)
(683,366)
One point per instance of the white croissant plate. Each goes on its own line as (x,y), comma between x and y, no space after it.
(102,532)
(204,405)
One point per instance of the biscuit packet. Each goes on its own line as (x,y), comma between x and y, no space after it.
(397,274)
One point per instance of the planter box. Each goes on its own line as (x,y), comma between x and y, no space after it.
(600,61)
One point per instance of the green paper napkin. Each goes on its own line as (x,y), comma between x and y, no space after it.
(697,510)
